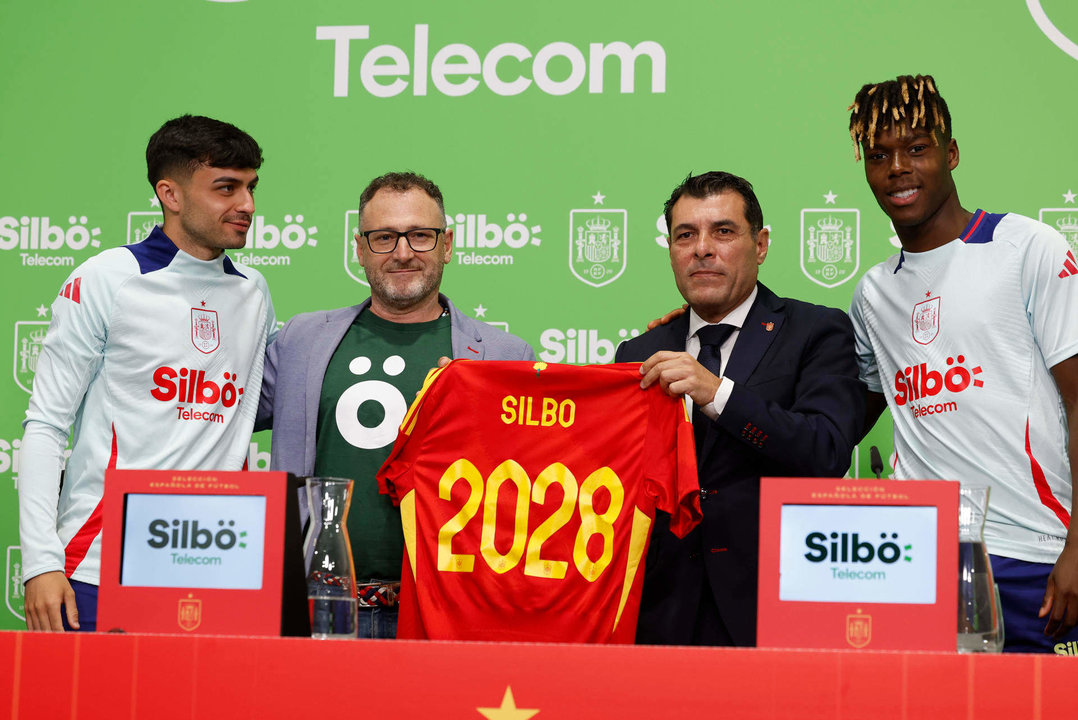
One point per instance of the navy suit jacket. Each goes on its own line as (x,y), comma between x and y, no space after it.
(797,409)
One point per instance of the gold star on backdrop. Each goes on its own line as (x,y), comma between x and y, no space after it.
(508,710)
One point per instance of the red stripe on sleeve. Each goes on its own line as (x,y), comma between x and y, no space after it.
(76,550)
(1043,491)
(75,289)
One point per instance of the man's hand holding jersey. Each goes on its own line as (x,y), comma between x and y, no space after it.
(679,373)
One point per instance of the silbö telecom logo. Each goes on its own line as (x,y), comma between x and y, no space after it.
(180,537)
(847,551)
(41,240)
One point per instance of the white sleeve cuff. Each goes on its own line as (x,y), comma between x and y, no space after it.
(714,408)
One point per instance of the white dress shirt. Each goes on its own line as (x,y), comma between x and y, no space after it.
(735,317)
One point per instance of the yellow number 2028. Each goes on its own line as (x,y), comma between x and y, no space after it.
(512,477)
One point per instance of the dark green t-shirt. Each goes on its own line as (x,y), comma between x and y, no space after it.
(371,380)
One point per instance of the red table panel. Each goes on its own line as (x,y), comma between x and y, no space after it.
(102,676)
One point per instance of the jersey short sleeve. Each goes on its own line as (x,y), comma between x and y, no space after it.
(1050,290)
(868,368)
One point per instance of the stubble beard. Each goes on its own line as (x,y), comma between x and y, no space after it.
(408,296)
(210,235)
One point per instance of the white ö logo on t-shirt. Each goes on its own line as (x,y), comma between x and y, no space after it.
(391,399)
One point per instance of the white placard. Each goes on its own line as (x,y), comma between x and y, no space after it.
(857,553)
(196,541)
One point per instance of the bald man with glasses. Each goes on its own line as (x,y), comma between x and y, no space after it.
(337,383)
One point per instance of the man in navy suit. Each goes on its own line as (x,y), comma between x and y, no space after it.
(773,388)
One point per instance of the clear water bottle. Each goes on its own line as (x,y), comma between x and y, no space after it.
(331,577)
(980,617)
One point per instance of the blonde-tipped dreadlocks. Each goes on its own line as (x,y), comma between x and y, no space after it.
(894,104)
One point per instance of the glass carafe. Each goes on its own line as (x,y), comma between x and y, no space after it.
(331,579)
(980,619)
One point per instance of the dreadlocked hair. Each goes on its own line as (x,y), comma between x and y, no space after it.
(907,100)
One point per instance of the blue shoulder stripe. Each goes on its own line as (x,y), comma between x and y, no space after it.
(230,269)
(981,227)
(155,252)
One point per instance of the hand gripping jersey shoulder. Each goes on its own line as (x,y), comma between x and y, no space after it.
(527,493)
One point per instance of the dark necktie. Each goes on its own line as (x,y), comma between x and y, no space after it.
(711,339)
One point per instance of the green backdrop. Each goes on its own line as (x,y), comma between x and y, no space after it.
(545,124)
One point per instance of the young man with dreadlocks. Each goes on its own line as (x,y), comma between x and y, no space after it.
(969,336)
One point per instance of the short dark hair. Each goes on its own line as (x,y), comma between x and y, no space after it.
(182,144)
(713,183)
(400,182)
(892,104)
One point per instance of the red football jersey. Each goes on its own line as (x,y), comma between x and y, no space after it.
(527,493)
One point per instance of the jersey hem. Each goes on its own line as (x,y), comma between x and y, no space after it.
(1005,548)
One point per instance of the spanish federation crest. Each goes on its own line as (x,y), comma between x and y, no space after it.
(189,614)
(205,332)
(1065,220)
(830,244)
(29,336)
(926,320)
(858,629)
(13,590)
(140,225)
(351,254)
(598,245)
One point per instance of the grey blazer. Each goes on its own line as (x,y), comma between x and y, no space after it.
(296,365)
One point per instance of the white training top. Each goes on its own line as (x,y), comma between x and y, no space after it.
(154,360)
(960,340)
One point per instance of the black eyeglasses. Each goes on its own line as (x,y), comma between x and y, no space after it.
(385,241)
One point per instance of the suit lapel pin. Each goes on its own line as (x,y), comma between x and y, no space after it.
(769,326)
